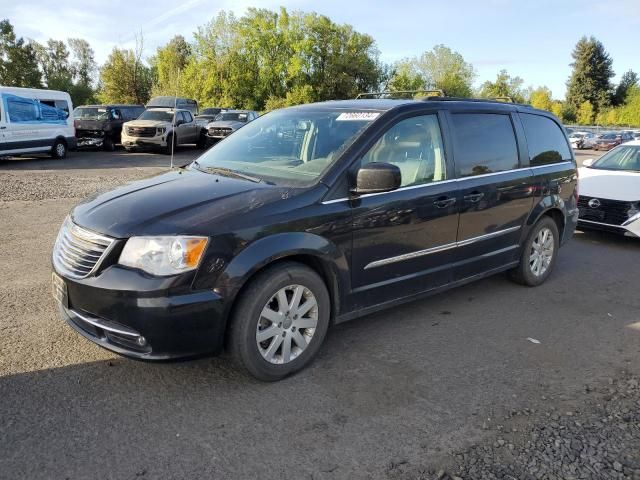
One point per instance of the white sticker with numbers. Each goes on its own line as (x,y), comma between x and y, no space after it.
(358,116)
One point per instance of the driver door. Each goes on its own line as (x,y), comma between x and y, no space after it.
(404,240)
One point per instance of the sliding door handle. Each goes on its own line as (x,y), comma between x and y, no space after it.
(474,197)
(444,202)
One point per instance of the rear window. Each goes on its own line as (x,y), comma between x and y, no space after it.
(484,143)
(545,140)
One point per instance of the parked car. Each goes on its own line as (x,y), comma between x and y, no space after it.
(611,140)
(160,128)
(581,140)
(35,121)
(636,135)
(610,191)
(225,123)
(311,216)
(100,126)
(174,102)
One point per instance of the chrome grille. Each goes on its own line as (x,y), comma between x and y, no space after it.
(78,252)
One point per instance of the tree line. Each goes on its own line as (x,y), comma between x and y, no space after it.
(270,59)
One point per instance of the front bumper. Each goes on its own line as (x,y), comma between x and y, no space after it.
(90,142)
(149,322)
(630,228)
(159,141)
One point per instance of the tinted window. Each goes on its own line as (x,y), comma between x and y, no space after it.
(414,145)
(484,143)
(545,140)
(187,117)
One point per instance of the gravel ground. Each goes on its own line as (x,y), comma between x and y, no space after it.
(448,387)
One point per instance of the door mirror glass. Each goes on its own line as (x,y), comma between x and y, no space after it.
(588,162)
(377,177)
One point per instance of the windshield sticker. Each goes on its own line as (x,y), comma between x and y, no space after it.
(358,116)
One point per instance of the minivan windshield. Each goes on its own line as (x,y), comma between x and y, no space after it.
(291,146)
(91,113)
(159,115)
(625,157)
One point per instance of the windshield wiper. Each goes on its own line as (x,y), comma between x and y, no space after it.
(231,173)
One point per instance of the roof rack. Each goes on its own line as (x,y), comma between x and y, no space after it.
(394,93)
(466,99)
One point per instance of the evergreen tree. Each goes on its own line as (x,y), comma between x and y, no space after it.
(628,80)
(590,80)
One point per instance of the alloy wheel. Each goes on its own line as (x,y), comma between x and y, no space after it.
(287,324)
(542,250)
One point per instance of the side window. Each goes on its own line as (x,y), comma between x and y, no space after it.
(484,143)
(20,109)
(414,145)
(180,117)
(187,117)
(545,140)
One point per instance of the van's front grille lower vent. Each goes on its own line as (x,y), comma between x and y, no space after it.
(78,252)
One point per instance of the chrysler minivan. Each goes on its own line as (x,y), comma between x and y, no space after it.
(313,215)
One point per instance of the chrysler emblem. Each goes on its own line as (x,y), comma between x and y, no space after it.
(594,203)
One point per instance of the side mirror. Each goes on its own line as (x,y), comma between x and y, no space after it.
(377,177)
(588,162)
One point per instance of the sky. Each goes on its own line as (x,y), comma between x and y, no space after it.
(531,39)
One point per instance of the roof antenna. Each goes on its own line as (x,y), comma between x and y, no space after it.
(173,126)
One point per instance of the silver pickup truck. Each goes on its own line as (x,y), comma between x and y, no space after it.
(160,127)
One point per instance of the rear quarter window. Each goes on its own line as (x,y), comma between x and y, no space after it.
(545,140)
(484,143)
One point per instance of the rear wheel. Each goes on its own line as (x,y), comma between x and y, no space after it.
(202,141)
(539,254)
(59,149)
(108,144)
(280,321)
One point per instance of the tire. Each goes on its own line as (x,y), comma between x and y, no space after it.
(266,360)
(528,272)
(167,149)
(202,141)
(109,145)
(59,149)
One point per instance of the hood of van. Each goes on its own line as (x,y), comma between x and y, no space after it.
(185,201)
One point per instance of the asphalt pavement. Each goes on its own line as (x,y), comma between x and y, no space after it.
(397,394)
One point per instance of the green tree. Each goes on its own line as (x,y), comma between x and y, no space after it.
(124,78)
(404,76)
(83,67)
(541,98)
(628,80)
(590,80)
(168,66)
(504,86)
(18,60)
(439,68)
(53,58)
(586,113)
(556,109)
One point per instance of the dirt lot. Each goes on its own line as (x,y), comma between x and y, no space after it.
(449,386)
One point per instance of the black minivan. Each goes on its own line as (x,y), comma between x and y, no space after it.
(313,215)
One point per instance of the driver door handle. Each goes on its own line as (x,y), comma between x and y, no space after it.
(444,202)
(474,197)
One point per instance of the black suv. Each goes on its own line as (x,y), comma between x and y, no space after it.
(100,126)
(313,215)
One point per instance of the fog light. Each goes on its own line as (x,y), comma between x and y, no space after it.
(141,341)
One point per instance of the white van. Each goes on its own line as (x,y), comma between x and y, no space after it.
(36,121)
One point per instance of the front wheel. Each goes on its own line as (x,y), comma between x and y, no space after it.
(539,254)
(280,321)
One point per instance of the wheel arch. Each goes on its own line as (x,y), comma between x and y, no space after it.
(315,252)
(554,211)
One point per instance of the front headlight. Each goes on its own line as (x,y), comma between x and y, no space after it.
(163,255)
(160,130)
